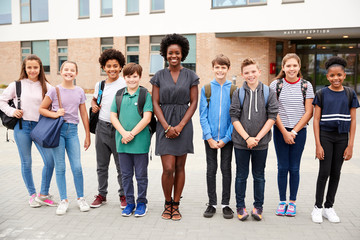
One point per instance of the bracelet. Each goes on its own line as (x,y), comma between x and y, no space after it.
(247,138)
(293,131)
(167,129)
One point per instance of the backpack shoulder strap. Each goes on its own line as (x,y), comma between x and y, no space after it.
(119,96)
(349,94)
(266,93)
(241,96)
(319,94)
(304,87)
(141,100)
(100,93)
(232,89)
(208,93)
(18,93)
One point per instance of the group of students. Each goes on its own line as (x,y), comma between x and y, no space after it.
(122,130)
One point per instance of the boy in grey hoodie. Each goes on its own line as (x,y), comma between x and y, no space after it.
(252,120)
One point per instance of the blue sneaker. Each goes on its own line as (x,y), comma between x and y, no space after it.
(281,209)
(128,210)
(291,210)
(140,210)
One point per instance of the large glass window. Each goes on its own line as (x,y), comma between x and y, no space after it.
(106,8)
(236,3)
(132,6)
(39,48)
(106,43)
(34,10)
(157,6)
(190,61)
(132,49)
(84,9)
(5,11)
(62,47)
(156,60)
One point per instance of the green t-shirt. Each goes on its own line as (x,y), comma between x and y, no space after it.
(129,117)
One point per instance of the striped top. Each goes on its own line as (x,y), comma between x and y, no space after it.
(291,101)
(335,112)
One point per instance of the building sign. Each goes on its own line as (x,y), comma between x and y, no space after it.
(306,32)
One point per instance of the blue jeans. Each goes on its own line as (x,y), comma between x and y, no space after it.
(24,144)
(288,158)
(258,160)
(69,141)
(139,163)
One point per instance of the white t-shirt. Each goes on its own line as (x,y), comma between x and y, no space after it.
(291,102)
(109,92)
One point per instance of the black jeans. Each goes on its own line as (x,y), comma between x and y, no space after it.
(334,145)
(211,169)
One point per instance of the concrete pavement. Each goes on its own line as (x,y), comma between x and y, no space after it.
(19,221)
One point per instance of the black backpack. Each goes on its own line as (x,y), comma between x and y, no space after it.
(141,102)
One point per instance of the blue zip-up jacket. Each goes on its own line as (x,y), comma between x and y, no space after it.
(215,120)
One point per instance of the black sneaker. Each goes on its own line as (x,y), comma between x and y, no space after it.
(227,212)
(209,212)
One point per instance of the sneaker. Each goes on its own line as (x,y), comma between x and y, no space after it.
(291,210)
(256,213)
(281,209)
(209,212)
(46,200)
(141,210)
(242,214)
(331,215)
(99,200)
(32,202)
(128,210)
(83,205)
(316,215)
(62,208)
(227,212)
(123,202)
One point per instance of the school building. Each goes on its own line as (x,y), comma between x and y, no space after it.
(265,30)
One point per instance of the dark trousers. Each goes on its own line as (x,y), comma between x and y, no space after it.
(288,159)
(139,163)
(334,145)
(105,145)
(258,160)
(211,169)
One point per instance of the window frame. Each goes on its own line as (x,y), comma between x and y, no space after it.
(31,51)
(292,1)
(29,4)
(107,46)
(156,11)
(153,53)
(61,54)
(132,13)
(132,53)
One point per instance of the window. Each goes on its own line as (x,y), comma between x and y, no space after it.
(39,48)
(190,61)
(132,6)
(106,43)
(106,8)
(84,9)
(34,10)
(157,6)
(156,60)
(292,1)
(5,11)
(132,49)
(62,47)
(236,3)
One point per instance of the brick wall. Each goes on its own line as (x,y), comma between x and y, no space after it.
(10,61)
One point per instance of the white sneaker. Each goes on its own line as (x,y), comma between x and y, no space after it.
(32,201)
(330,214)
(62,208)
(84,207)
(316,215)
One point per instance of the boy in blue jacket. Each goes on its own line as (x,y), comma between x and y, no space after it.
(217,129)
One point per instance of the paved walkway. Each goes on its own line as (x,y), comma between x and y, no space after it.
(19,221)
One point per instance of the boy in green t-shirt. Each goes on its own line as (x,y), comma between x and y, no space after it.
(132,138)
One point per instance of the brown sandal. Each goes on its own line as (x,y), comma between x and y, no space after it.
(175,211)
(167,213)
